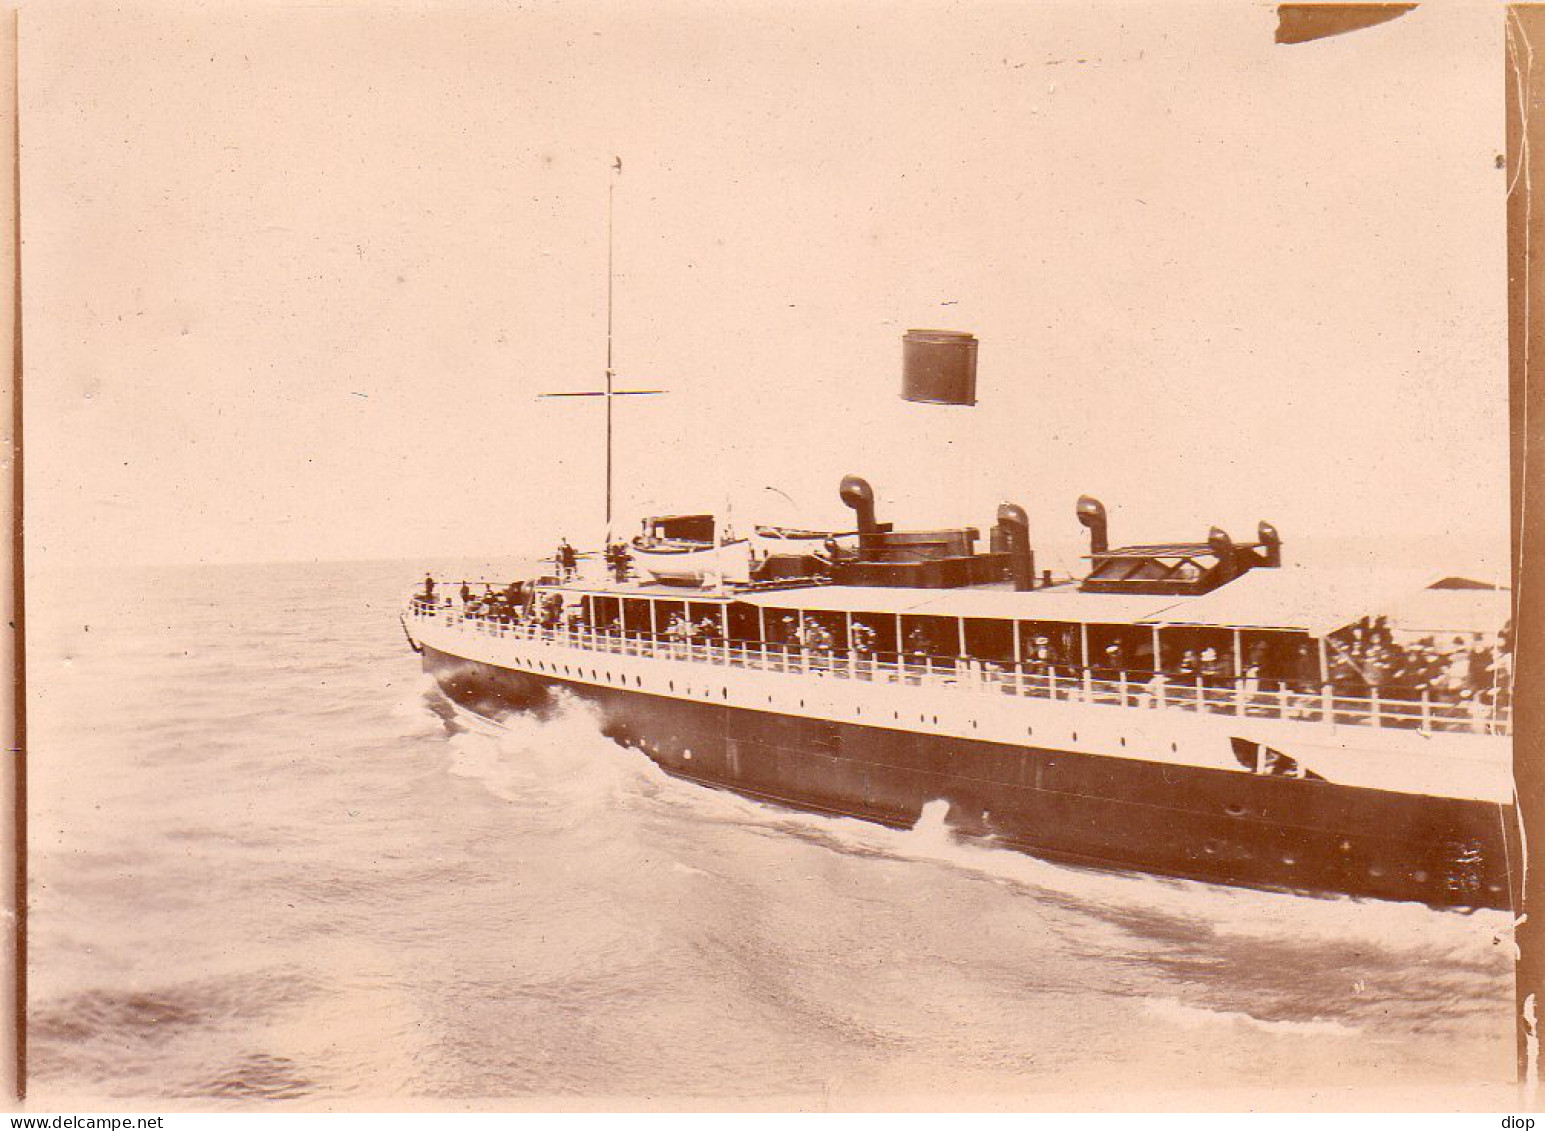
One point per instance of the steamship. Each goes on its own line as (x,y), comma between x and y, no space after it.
(1174,710)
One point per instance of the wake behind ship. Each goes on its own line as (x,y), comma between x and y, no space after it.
(1194,709)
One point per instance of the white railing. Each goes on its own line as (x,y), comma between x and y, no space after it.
(1274,699)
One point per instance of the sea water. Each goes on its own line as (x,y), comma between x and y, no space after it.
(269,862)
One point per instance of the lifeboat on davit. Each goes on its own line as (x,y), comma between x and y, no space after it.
(685,550)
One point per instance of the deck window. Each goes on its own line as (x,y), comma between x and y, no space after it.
(606,613)
(745,624)
(782,626)
(635,615)
(881,632)
(1184,652)
(707,618)
(990,639)
(938,637)
(1063,643)
(1120,647)
(670,618)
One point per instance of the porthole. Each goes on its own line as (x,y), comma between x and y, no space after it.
(1376,871)
(1290,860)
(1419,876)
(1234,810)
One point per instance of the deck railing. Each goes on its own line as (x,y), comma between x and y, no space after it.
(1139,690)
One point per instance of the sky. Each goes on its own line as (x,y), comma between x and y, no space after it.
(294,275)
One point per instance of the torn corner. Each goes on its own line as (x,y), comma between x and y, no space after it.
(1300,23)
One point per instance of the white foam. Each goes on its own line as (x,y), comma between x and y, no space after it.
(1194,1016)
(560,760)
(412,706)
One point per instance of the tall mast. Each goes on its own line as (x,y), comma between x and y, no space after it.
(611,192)
(609,391)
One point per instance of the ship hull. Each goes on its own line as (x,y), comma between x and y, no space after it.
(1104,811)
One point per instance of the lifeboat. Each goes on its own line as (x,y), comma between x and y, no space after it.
(692,563)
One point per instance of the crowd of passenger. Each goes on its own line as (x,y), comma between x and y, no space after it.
(1367,659)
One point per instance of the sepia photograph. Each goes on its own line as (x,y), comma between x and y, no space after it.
(769,556)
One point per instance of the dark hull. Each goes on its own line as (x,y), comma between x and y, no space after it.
(1216,825)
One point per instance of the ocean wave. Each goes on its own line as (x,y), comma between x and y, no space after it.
(256,1076)
(529,755)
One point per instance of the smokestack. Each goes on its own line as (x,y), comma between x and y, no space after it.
(1091,512)
(1271,543)
(1015,525)
(1223,546)
(938,367)
(856,493)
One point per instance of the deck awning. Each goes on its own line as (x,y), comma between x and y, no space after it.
(1297,599)
(1057,604)
(1285,599)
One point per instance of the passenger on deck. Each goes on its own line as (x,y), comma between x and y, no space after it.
(617,559)
(1378,662)
(1259,657)
(1478,677)
(1306,670)
(1457,676)
(429,589)
(1250,683)
(466,593)
(863,638)
(566,559)
(1187,676)
(1216,676)
(1215,669)
(1108,673)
